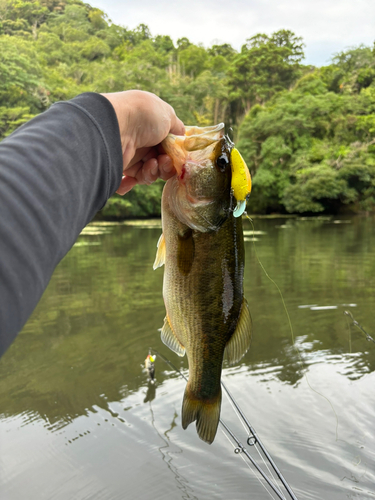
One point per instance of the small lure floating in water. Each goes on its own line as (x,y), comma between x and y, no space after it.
(150,366)
(241,181)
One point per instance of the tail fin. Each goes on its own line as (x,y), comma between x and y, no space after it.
(206,413)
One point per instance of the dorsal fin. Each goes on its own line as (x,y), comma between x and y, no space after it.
(160,253)
(239,343)
(170,340)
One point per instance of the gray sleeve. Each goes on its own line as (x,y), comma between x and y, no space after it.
(56,172)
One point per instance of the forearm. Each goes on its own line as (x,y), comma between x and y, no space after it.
(56,172)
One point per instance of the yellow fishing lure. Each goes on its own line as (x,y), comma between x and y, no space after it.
(241,181)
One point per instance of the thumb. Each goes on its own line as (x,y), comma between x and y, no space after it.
(177,127)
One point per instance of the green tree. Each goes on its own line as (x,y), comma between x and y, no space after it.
(183,43)
(164,43)
(20,75)
(308,134)
(265,66)
(94,48)
(224,50)
(139,35)
(311,150)
(22,17)
(98,19)
(193,60)
(11,118)
(357,68)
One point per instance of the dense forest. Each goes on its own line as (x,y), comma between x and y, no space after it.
(307,134)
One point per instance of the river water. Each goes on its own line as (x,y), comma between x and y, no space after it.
(79,419)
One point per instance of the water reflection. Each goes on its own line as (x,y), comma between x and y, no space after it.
(103,307)
(168,452)
(151,392)
(78,362)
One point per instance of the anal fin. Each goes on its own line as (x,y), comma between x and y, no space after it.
(238,345)
(170,340)
(160,253)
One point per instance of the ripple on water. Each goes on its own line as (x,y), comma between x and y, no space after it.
(79,412)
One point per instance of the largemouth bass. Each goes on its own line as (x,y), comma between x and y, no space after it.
(202,248)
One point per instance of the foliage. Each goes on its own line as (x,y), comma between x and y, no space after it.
(311,149)
(141,201)
(11,118)
(266,65)
(306,133)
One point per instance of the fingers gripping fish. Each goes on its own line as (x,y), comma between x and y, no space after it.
(202,248)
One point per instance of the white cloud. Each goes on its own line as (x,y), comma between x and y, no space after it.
(326,26)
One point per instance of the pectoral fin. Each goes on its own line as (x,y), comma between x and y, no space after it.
(239,343)
(160,253)
(170,340)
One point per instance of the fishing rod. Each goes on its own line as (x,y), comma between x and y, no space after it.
(355,323)
(252,440)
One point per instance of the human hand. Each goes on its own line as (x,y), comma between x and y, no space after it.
(144,120)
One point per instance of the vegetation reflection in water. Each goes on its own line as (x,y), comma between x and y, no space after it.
(104,305)
(86,341)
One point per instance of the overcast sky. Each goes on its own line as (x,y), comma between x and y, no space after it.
(327,26)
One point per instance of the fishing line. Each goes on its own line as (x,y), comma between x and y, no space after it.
(292,331)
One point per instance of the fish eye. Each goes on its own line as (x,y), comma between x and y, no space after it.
(222,162)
